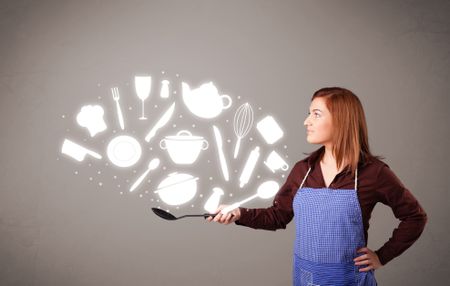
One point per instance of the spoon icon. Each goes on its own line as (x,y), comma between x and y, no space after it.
(154,163)
(265,191)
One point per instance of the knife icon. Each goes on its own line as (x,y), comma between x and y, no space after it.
(223,162)
(161,122)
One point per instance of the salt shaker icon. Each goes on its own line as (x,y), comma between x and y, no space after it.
(164,89)
(213,202)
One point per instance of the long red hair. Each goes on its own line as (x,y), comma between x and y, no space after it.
(350,136)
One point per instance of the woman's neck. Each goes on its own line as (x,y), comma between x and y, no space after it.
(329,160)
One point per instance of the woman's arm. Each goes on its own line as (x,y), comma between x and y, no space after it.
(280,213)
(406,208)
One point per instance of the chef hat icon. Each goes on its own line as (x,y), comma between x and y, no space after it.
(91,117)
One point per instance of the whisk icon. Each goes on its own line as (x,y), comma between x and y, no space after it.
(243,122)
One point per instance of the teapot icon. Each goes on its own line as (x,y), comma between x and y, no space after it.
(205,101)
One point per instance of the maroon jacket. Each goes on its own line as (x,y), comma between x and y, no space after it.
(376,183)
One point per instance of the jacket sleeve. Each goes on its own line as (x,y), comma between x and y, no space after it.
(406,208)
(280,213)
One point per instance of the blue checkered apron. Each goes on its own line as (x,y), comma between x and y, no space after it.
(329,230)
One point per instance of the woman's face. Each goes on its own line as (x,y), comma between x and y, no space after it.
(318,123)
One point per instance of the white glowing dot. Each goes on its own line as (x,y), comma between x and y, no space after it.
(140,195)
(151,148)
(159,207)
(57,158)
(286,156)
(89,164)
(235,171)
(98,84)
(227,120)
(118,186)
(121,193)
(100,184)
(156,106)
(164,168)
(99,172)
(239,97)
(115,177)
(174,125)
(127,180)
(178,208)
(146,192)
(231,195)
(76,172)
(228,140)
(181,116)
(259,108)
(99,97)
(282,176)
(285,146)
(134,171)
(152,200)
(90,178)
(106,164)
(157,201)
(163,72)
(130,108)
(258,176)
(201,195)
(84,140)
(114,131)
(177,75)
(192,206)
(251,138)
(193,125)
(168,211)
(209,161)
(149,181)
(210,178)
(63,116)
(175,92)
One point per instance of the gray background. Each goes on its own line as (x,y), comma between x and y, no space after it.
(60,228)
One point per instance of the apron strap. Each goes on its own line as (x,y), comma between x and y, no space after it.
(309,170)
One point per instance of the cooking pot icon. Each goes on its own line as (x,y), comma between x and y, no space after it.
(183,148)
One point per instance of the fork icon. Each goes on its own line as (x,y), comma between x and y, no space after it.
(116,97)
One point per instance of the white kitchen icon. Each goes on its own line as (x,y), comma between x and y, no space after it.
(164,93)
(212,203)
(184,148)
(275,162)
(269,130)
(76,151)
(91,118)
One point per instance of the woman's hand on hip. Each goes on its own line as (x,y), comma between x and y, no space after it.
(228,218)
(370,259)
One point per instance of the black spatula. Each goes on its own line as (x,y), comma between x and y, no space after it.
(168,216)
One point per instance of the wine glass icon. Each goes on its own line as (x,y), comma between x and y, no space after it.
(143,85)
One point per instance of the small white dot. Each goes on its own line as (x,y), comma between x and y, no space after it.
(174,125)
(151,148)
(63,116)
(192,206)
(152,200)
(177,208)
(84,140)
(146,192)
(231,195)
(106,164)
(90,178)
(130,108)
(118,186)
(181,116)
(57,158)
(239,97)
(115,177)
(229,141)
(282,176)
(251,138)
(235,171)
(157,201)
(149,181)
(285,146)
(259,108)
(99,172)
(98,84)
(140,195)
(127,180)
(114,131)
(227,120)
(177,75)
(193,125)
(210,178)
(258,176)
(134,171)
(175,92)
(156,106)
(99,97)
(209,161)
(164,168)
(163,72)
(76,172)
(286,156)
(201,195)
(89,164)
(100,184)
(121,193)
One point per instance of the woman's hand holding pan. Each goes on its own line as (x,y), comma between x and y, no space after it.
(228,218)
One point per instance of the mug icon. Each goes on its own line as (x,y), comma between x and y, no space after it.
(275,162)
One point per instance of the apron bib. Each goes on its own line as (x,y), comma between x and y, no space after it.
(329,230)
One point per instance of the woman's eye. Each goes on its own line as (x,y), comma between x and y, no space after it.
(316,114)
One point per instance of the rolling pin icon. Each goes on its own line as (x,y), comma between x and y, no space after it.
(249,167)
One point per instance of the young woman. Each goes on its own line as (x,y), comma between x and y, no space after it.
(331,195)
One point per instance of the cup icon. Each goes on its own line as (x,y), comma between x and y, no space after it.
(275,162)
